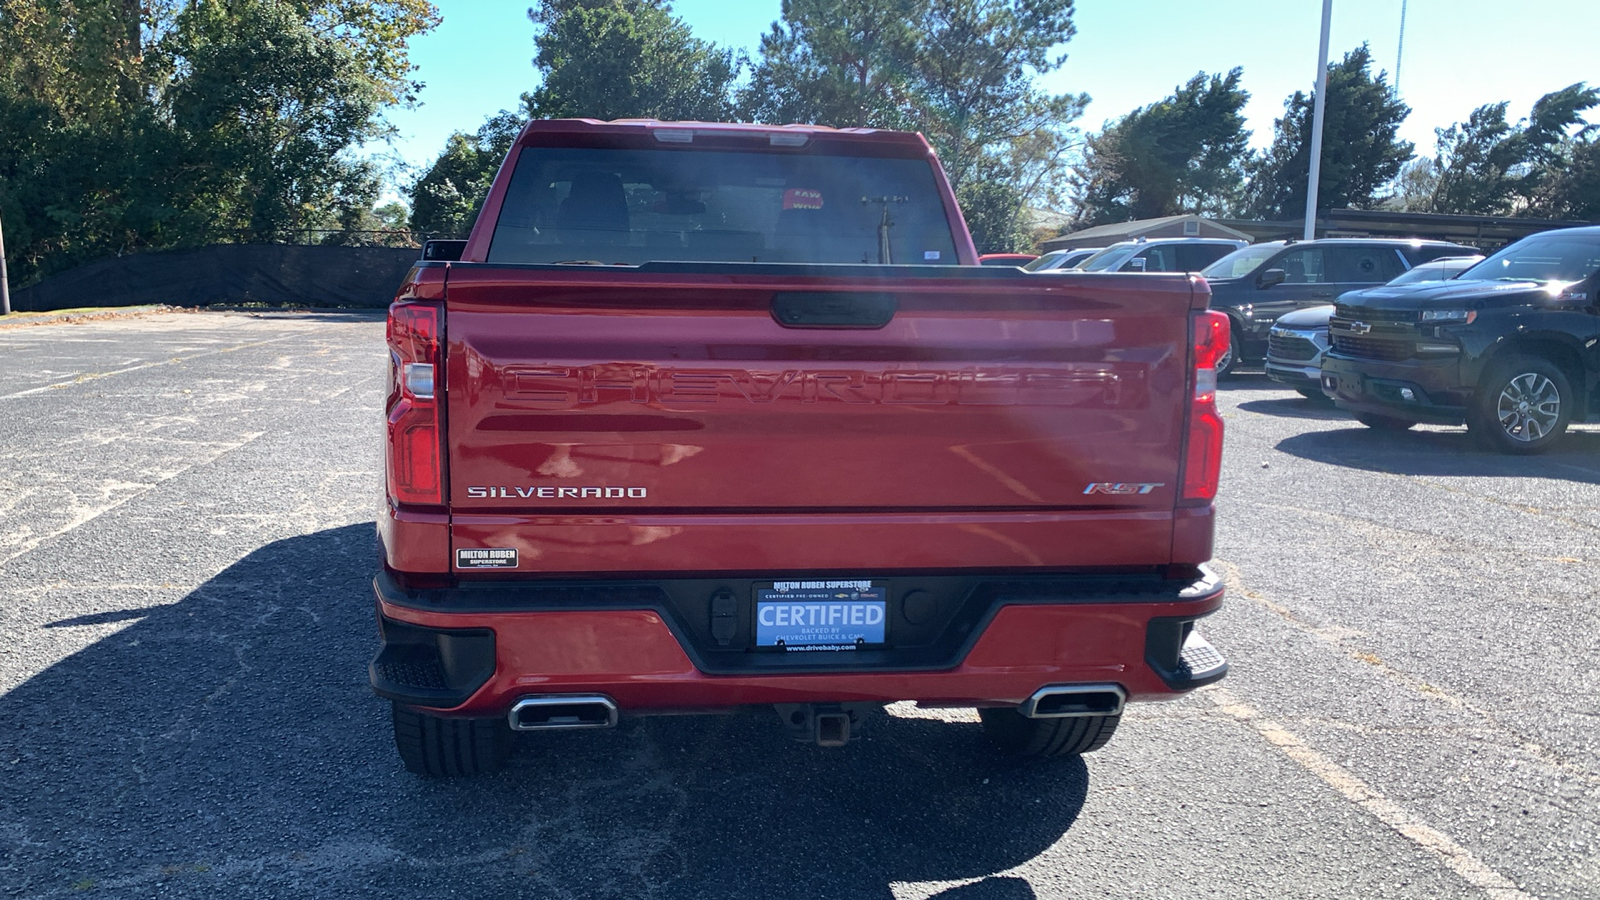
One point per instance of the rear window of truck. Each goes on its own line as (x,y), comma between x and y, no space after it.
(610,206)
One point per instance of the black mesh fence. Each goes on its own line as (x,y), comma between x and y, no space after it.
(318,275)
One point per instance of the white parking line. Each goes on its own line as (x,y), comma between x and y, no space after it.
(1458,858)
(89,513)
(93,376)
(1345,641)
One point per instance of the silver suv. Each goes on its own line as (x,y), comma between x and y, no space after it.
(1160,255)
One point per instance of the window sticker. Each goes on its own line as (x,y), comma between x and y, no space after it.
(802,198)
(930,254)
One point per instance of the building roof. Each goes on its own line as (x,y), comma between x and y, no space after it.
(1484,232)
(1106,235)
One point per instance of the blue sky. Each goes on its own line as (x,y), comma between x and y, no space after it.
(1458,54)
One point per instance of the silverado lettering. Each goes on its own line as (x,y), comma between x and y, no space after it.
(557,493)
(730,416)
(566,388)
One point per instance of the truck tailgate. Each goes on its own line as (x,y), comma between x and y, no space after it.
(586,413)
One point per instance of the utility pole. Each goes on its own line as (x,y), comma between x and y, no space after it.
(1400,48)
(5,288)
(1316,122)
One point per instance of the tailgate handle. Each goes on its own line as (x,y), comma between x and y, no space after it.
(833,309)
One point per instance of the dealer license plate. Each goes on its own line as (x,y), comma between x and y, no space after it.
(833,614)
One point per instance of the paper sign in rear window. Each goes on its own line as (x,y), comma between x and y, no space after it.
(802,198)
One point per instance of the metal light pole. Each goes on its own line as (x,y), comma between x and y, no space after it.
(5,288)
(1400,48)
(1316,122)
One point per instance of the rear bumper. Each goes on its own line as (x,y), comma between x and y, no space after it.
(444,651)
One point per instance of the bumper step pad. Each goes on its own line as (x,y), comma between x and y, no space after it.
(1199,661)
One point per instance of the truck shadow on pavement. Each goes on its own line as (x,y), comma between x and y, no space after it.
(1287,403)
(229,745)
(1295,406)
(1445,453)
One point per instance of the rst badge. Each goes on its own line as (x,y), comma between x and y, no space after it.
(1123,487)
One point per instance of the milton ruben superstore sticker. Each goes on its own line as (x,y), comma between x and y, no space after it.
(491,558)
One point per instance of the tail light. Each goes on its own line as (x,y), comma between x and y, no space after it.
(414,451)
(1202,460)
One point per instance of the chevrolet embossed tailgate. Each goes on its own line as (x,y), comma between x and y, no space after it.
(749,418)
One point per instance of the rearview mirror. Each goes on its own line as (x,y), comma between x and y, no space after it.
(1135,265)
(1271,277)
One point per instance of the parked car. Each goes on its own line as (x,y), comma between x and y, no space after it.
(1508,347)
(1442,269)
(1006,259)
(1061,259)
(1160,255)
(1259,283)
(1297,341)
(636,465)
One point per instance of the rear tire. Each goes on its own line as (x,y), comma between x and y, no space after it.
(1384,423)
(1022,736)
(440,747)
(1522,406)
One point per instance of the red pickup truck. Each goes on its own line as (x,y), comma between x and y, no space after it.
(704,418)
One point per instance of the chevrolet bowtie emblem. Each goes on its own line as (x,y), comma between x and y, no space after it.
(1359,328)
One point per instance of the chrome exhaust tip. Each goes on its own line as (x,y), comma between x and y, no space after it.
(1068,700)
(557,712)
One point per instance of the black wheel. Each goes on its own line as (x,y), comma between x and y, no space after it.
(433,745)
(1016,733)
(1522,405)
(1315,395)
(1230,360)
(1384,423)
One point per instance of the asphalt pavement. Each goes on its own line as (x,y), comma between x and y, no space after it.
(186,543)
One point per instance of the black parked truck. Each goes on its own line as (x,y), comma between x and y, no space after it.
(1511,347)
(1257,284)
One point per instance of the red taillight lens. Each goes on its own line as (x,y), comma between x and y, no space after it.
(1210,339)
(413,460)
(1202,463)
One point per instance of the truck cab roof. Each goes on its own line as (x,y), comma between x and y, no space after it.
(548,132)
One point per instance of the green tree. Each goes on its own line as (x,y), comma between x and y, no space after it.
(378,34)
(993,209)
(614,59)
(143,125)
(975,65)
(1489,166)
(1184,154)
(273,106)
(960,71)
(1572,191)
(602,59)
(1475,162)
(1415,185)
(838,62)
(1361,150)
(445,200)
